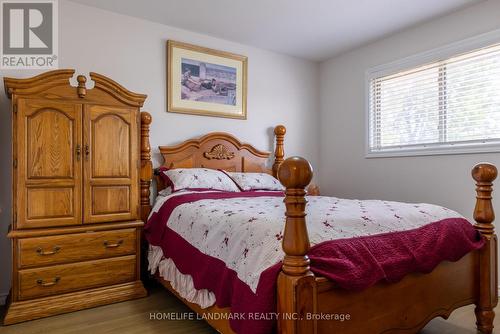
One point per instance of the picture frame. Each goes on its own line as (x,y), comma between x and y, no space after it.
(203,81)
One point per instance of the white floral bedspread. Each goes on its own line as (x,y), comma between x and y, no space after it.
(246,233)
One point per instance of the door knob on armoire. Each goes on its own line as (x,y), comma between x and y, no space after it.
(78,152)
(87,152)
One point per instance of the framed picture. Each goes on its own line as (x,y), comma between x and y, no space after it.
(204,81)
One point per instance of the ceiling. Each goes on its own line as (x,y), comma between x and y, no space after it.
(310,29)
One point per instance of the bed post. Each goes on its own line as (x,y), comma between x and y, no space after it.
(484,174)
(296,283)
(279,153)
(146,166)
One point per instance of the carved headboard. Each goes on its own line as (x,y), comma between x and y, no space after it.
(216,150)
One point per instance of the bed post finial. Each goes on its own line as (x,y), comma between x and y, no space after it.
(146,166)
(279,153)
(484,174)
(296,283)
(295,174)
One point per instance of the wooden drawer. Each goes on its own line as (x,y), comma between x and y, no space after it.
(39,282)
(75,247)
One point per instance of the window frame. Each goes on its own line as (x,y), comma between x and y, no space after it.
(420,59)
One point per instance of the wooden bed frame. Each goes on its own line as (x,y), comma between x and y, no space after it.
(403,307)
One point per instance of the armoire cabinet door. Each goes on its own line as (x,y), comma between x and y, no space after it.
(48,163)
(111,184)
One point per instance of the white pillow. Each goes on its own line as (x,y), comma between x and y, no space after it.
(197,179)
(255,181)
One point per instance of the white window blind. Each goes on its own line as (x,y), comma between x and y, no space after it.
(451,103)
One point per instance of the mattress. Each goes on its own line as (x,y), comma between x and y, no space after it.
(228,244)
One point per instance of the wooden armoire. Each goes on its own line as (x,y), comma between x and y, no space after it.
(76,220)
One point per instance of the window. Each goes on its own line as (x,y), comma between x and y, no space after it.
(450,105)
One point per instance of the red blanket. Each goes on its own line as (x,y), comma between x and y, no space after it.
(354,263)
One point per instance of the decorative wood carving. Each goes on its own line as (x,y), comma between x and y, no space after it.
(279,152)
(216,150)
(484,174)
(219,152)
(228,140)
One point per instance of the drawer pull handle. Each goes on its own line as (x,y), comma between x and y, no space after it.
(54,281)
(109,245)
(54,250)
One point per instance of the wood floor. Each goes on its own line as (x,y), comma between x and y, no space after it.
(133,317)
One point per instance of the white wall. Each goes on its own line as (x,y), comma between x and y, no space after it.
(345,172)
(281,89)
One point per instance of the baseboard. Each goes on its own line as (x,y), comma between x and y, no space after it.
(3,297)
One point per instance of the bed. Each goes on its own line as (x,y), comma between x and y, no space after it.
(308,302)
